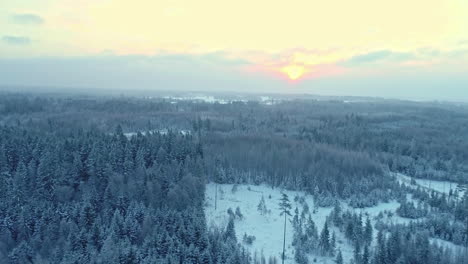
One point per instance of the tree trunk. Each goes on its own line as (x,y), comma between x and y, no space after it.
(216,194)
(284,237)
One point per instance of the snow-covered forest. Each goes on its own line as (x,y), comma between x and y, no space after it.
(233,179)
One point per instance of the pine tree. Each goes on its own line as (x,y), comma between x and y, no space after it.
(339,257)
(365,255)
(20,183)
(311,228)
(300,256)
(324,242)
(45,177)
(261,207)
(357,253)
(394,246)
(368,231)
(23,253)
(96,237)
(285,207)
(337,214)
(205,257)
(349,230)
(333,244)
(239,215)
(230,233)
(295,220)
(380,256)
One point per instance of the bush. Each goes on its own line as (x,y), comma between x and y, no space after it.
(248,239)
(239,215)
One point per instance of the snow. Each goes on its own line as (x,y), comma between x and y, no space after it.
(132,134)
(164,131)
(198,98)
(438,186)
(447,244)
(373,213)
(267,100)
(268,229)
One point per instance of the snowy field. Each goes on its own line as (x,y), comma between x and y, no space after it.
(160,131)
(202,98)
(266,100)
(268,229)
(438,186)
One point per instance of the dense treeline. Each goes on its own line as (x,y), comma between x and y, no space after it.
(89,197)
(425,140)
(324,171)
(20,104)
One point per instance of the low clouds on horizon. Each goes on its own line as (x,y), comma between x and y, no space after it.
(16,40)
(27,19)
(216,72)
(377,56)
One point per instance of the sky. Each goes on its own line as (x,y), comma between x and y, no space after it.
(415,49)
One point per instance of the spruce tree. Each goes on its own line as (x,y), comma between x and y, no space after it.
(365,255)
(324,242)
(368,231)
(261,207)
(333,244)
(230,233)
(339,257)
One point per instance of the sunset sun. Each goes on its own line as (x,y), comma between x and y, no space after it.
(293,72)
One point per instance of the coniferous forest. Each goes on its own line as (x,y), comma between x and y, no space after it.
(116,179)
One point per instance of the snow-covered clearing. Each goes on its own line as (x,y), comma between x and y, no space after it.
(266,100)
(183,132)
(202,98)
(268,229)
(438,186)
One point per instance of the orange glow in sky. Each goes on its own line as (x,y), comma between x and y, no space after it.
(294,72)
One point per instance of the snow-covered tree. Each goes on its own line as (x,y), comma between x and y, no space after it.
(285,208)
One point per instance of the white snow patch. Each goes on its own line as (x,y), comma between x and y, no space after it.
(198,98)
(267,229)
(164,131)
(447,244)
(438,186)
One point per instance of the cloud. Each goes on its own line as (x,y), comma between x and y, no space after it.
(27,19)
(377,56)
(213,58)
(370,57)
(16,40)
(225,58)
